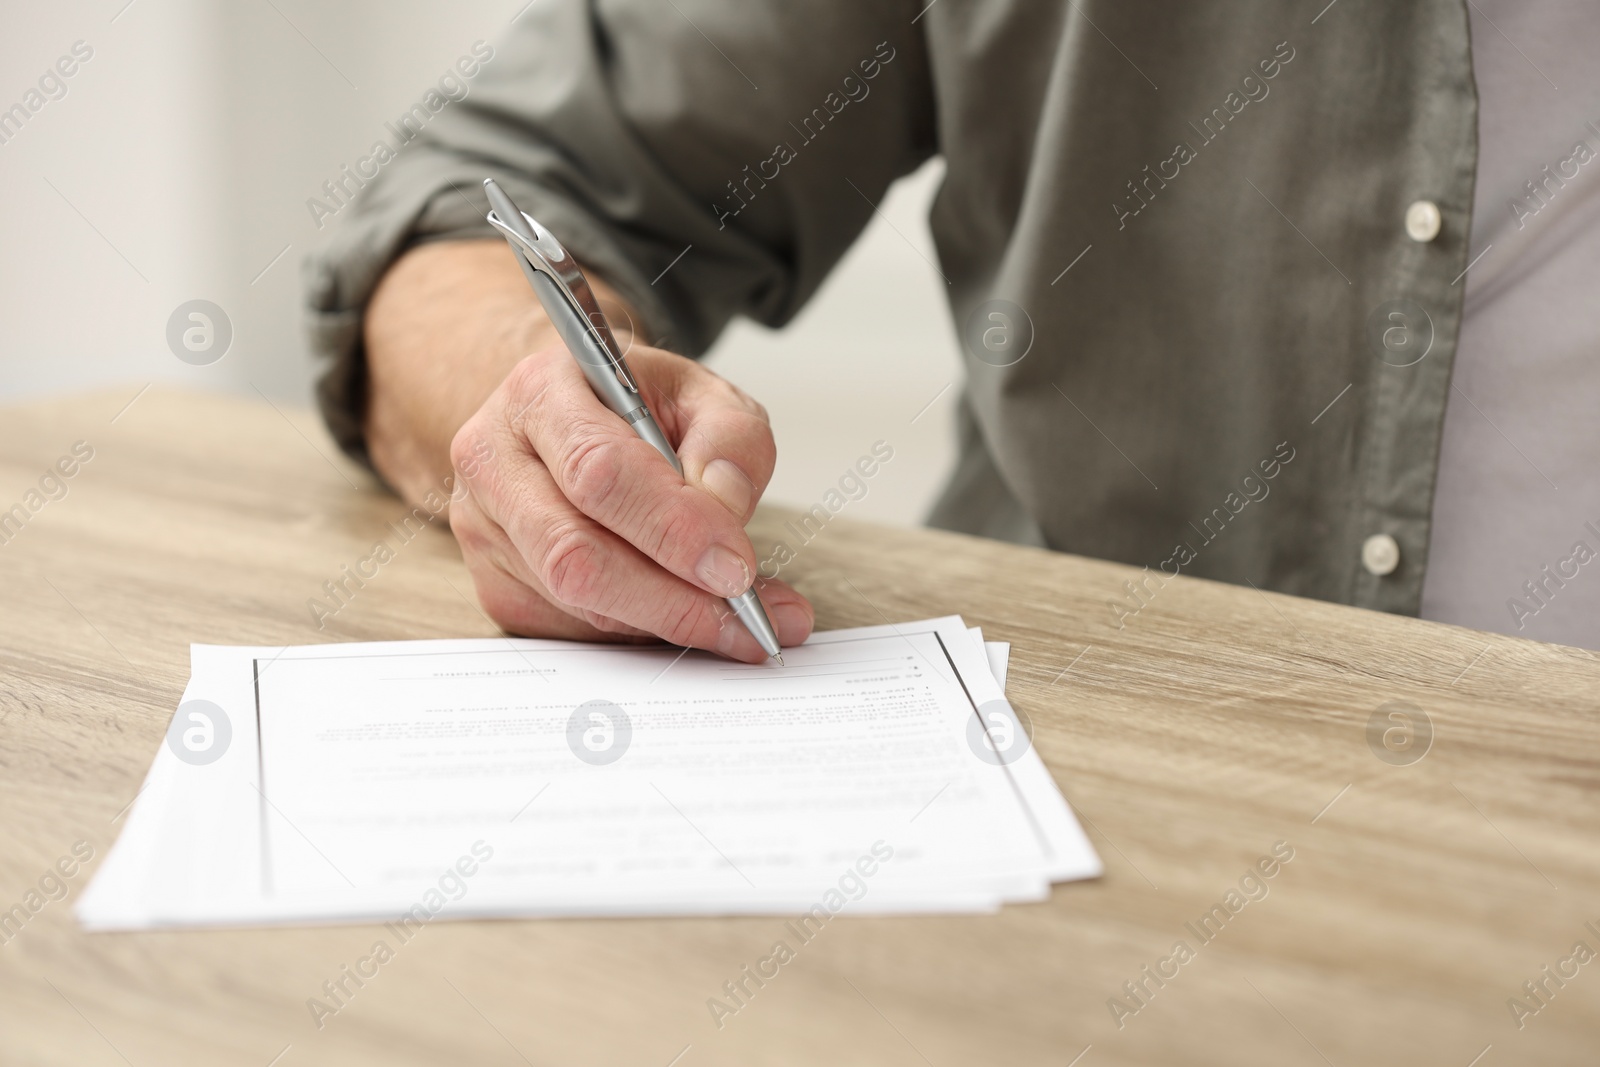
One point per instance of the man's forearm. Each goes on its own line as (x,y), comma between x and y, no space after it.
(446,324)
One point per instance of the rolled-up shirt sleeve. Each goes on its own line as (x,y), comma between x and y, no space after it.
(707,158)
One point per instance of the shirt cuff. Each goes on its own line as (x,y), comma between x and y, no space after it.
(433,199)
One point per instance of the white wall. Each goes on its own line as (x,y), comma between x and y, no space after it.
(178,165)
(106,196)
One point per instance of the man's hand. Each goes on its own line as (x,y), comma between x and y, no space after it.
(574,527)
(570,525)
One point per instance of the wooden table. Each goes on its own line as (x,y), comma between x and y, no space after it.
(1422,893)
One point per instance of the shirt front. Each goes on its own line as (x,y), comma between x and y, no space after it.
(1175,238)
(1516,518)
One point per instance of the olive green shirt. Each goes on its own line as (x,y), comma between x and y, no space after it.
(1174,237)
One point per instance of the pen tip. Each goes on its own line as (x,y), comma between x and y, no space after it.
(779,657)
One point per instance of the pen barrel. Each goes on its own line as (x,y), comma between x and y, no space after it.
(644,424)
(600,369)
(747,606)
(585,347)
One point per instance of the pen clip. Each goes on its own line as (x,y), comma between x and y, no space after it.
(548,256)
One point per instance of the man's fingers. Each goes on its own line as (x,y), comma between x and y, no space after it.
(607,473)
(512,597)
(520,609)
(515,599)
(729,454)
(724,438)
(790,613)
(593,572)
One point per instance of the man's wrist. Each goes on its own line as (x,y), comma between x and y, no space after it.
(445,326)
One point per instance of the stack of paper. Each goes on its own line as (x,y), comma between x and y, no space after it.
(881,770)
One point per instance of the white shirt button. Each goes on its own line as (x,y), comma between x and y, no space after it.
(1422,221)
(1380,554)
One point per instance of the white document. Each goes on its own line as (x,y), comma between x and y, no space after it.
(509,777)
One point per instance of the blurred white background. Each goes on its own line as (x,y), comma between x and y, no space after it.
(178,166)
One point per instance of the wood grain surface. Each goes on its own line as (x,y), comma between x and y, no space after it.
(1215,724)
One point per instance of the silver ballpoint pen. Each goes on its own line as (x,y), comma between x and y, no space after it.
(570,303)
